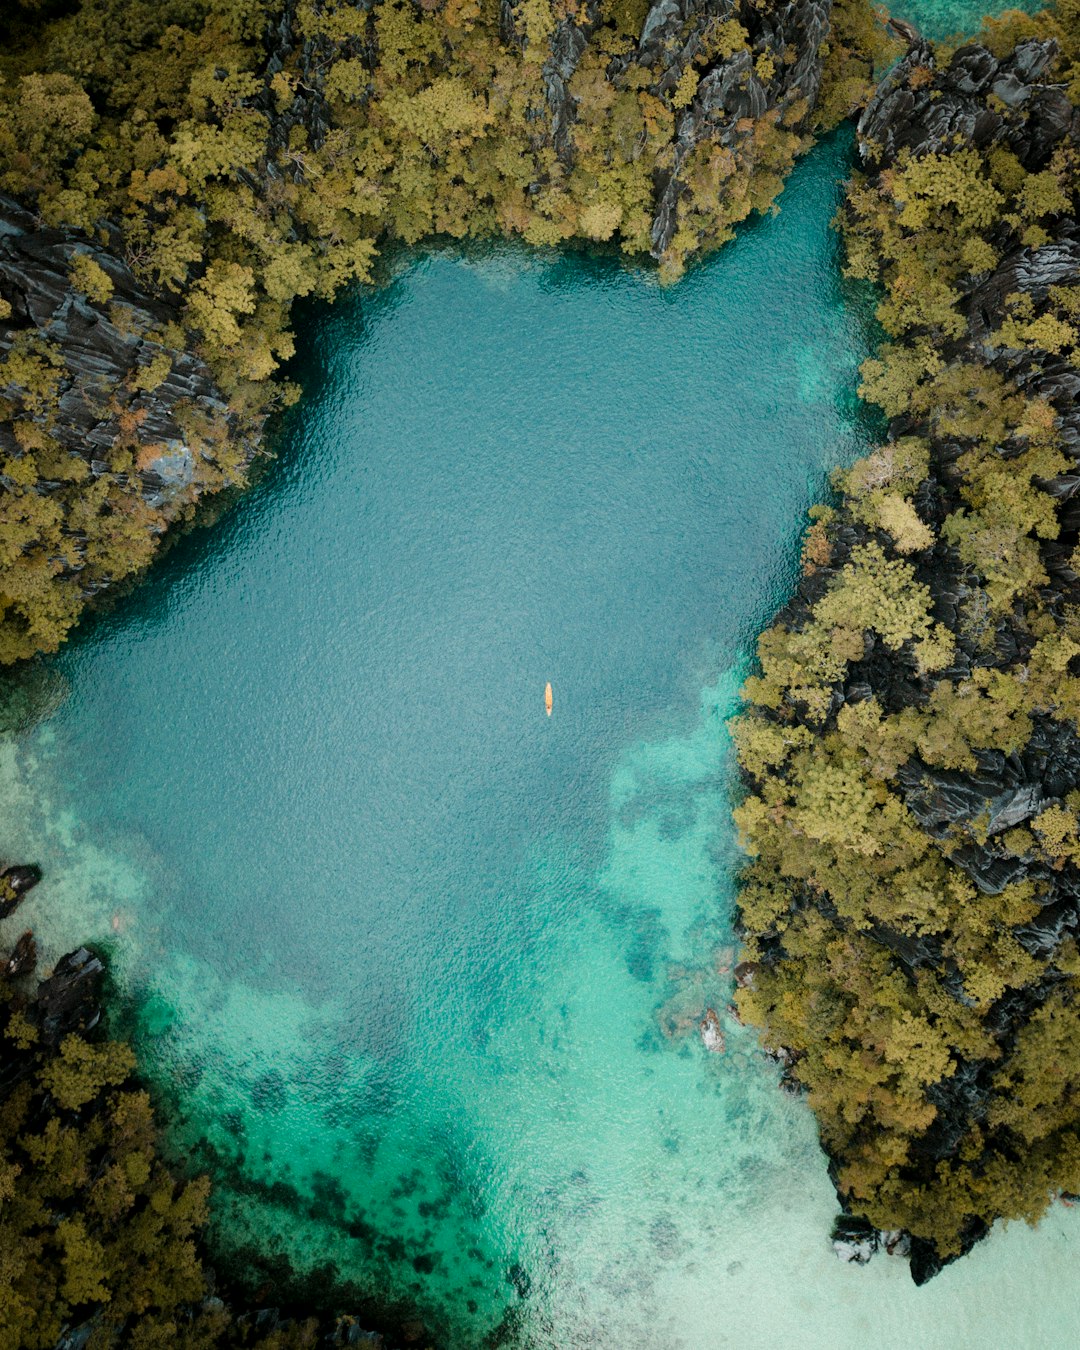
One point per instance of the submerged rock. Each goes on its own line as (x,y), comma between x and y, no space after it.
(712,1037)
(520,1278)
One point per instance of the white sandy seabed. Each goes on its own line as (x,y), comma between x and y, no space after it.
(708,1206)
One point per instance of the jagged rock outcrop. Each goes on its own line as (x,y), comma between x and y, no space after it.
(568,44)
(989,811)
(948,107)
(15,881)
(308,57)
(68,1001)
(107,350)
(983,102)
(733,91)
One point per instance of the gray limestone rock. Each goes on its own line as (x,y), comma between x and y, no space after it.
(102,347)
(731,90)
(948,107)
(68,1000)
(712,1035)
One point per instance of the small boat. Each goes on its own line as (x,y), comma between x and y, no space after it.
(547,699)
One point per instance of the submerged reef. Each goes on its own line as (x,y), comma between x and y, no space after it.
(102,1242)
(910,746)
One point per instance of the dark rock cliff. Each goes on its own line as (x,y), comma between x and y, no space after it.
(106,350)
(1005,790)
(976,100)
(733,91)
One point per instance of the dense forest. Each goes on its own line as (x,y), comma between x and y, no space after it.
(912,909)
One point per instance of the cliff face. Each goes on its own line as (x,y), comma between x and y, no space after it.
(982,102)
(779,68)
(117,380)
(975,100)
(775,71)
(780,74)
(911,747)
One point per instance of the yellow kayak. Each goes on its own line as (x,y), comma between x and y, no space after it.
(547,699)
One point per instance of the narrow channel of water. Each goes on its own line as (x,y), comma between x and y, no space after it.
(419,965)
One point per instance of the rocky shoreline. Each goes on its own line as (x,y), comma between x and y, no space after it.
(911,755)
(975,806)
(140,326)
(63,1078)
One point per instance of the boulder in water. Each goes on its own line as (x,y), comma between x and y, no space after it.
(712,1037)
(854,1240)
(23,958)
(895,1242)
(14,883)
(744,974)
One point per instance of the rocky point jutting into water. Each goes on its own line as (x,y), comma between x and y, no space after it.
(911,750)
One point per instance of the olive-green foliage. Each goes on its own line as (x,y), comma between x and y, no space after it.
(435,128)
(93,1226)
(842,876)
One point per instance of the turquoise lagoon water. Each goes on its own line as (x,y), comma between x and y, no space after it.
(420,966)
(951,19)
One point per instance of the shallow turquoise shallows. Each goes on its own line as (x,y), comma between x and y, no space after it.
(941,19)
(421,966)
